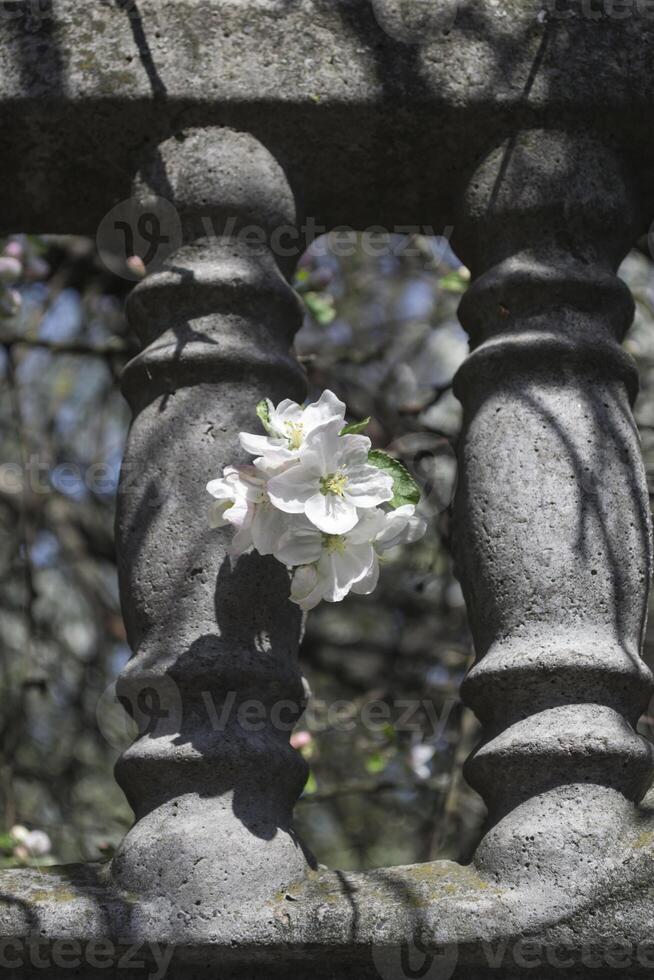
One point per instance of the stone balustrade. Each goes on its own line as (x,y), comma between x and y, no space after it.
(213,803)
(522,127)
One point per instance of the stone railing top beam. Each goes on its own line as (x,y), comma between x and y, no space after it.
(84,87)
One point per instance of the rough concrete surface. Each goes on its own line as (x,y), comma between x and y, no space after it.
(401,125)
(526,134)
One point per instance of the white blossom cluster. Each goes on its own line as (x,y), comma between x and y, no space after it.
(318,498)
(29,843)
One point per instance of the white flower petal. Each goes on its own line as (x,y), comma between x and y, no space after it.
(323,444)
(274,458)
(290,490)
(217,510)
(234,496)
(353,450)
(368,486)
(300,544)
(368,526)
(269,466)
(268,525)
(241,541)
(305,583)
(342,569)
(288,427)
(307,600)
(327,408)
(401,526)
(287,411)
(250,482)
(257,445)
(240,514)
(368,584)
(221,489)
(331,513)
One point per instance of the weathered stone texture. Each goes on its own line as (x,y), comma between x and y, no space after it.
(525,132)
(375,131)
(213,800)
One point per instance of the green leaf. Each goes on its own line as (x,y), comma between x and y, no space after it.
(390,732)
(311,785)
(454,282)
(405,488)
(353,428)
(263,411)
(321,307)
(375,763)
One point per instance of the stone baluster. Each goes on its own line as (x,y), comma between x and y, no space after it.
(212,778)
(552,524)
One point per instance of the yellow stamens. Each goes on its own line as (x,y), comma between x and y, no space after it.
(334,483)
(334,543)
(295,434)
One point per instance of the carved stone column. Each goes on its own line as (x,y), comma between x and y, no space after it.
(552,525)
(212,779)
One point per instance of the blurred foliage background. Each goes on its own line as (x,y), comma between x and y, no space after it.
(386,734)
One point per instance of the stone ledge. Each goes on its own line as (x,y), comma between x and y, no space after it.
(346,921)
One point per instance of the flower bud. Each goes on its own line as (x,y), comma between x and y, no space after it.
(299,740)
(38,843)
(136,266)
(10,269)
(15,249)
(10,302)
(19,833)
